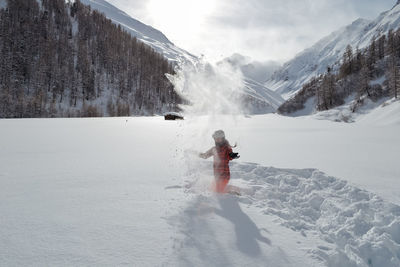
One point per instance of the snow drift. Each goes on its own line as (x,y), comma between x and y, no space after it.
(359,228)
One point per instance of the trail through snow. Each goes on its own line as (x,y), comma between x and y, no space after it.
(347,226)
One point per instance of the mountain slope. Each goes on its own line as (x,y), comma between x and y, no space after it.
(329,50)
(147,34)
(259,98)
(65,60)
(262,99)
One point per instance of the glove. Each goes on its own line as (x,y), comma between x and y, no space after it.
(234,155)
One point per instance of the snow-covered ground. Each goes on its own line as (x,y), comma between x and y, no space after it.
(127,191)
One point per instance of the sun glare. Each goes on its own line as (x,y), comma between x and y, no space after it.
(180,15)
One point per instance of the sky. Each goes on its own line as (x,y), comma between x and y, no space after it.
(264,30)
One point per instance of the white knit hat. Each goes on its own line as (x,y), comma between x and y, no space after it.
(218,134)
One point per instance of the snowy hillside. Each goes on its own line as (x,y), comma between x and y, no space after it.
(263,100)
(101,70)
(328,51)
(115,191)
(156,39)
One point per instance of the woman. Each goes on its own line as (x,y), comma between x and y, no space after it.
(222,153)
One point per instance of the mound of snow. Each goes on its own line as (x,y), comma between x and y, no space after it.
(386,114)
(381,113)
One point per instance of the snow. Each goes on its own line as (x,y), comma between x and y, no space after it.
(74,192)
(384,115)
(314,204)
(379,81)
(125,191)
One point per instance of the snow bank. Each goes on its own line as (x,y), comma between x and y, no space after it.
(383,112)
(362,228)
(387,114)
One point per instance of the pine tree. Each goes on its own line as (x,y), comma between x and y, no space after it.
(347,62)
(44,62)
(393,74)
(381,46)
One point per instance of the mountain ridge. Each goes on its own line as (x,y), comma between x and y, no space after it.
(145,33)
(328,51)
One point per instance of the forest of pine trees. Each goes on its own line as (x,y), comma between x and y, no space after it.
(63,59)
(354,76)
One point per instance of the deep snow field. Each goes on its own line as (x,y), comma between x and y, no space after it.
(131,192)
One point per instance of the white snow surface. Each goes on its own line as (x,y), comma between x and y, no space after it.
(147,34)
(328,51)
(127,191)
(376,111)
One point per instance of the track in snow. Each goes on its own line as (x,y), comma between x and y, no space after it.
(358,227)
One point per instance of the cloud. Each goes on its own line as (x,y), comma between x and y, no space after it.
(262,29)
(277,30)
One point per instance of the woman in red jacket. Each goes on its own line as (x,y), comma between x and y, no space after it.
(222,153)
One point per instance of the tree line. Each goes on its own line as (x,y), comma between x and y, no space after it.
(62,59)
(356,74)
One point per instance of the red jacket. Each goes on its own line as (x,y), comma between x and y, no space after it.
(221,160)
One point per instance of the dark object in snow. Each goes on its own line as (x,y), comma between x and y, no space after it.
(234,155)
(171,116)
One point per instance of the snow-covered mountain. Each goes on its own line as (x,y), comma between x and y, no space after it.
(262,99)
(147,34)
(329,50)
